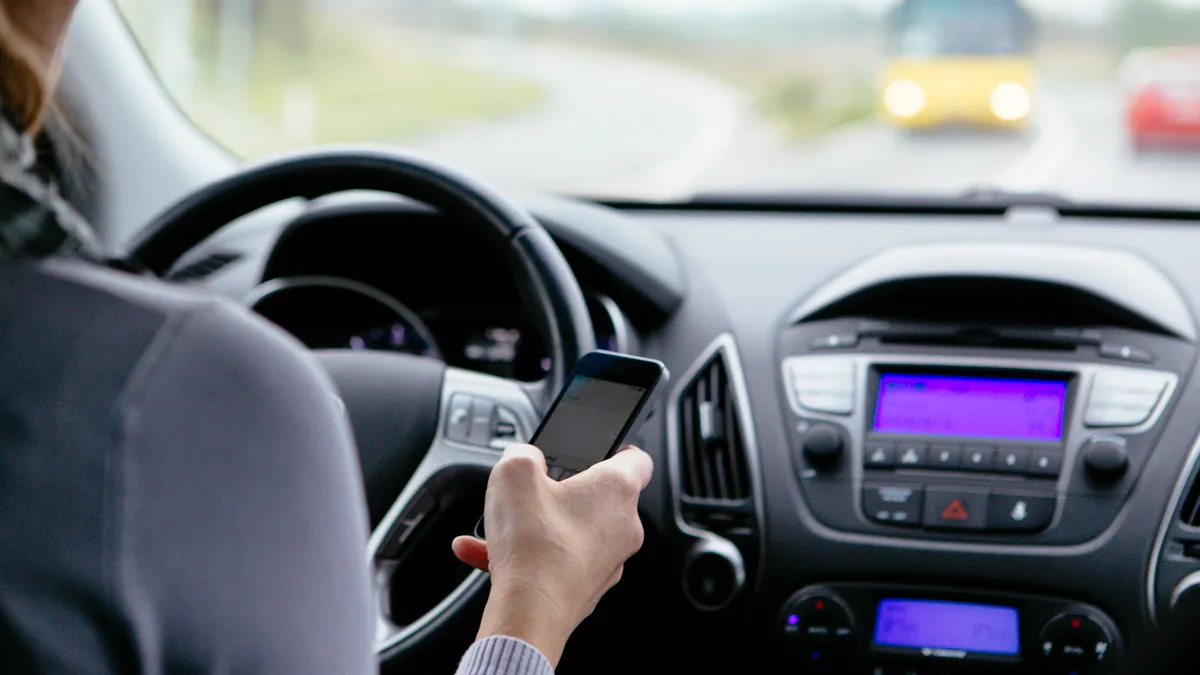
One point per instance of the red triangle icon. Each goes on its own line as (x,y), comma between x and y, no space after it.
(955,511)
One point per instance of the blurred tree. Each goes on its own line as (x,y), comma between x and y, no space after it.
(283,24)
(1154,23)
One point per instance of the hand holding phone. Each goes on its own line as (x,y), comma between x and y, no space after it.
(600,405)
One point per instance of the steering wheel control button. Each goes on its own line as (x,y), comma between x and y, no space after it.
(1075,643)
(458,420)
(1125,398)
(893,504)
(1017,512)
(1045,463)
(1124,352)
(978,458)
(823,446)
(483,421)
(1106,460)
(945,456)
(823,384)
(955,509)
(507,429)
(911,455)
(879,455)
(1012,460)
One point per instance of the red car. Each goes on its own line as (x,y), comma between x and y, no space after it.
(1163,98)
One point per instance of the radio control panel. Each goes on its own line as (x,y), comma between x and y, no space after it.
(961,444)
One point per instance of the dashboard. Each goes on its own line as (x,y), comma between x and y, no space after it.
(899,439)
(327,312)
(329,293)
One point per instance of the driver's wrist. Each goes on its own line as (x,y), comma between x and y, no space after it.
(529,615)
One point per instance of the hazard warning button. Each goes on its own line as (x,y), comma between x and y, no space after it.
(955,508)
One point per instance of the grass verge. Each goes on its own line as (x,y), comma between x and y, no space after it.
(332,87)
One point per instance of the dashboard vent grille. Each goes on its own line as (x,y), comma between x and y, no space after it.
(204,267)
(712,450)
(1190,514)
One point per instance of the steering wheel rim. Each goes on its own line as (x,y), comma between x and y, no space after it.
(367,381)
(547,285)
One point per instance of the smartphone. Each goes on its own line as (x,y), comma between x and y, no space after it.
(598,407)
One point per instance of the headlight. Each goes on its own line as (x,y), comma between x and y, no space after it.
(904,98)
(1009,101)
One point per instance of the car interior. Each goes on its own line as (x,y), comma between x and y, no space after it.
(902,435)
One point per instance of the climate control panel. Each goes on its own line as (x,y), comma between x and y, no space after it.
(885,629)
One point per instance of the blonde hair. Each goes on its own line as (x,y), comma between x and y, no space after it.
(24,76)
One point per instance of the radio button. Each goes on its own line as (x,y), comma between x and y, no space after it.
(824,385)
(1124,398)
(952,508)
(945,456)
(1044,463)
(911,455)
(1015,512)
(879,455)
(893,504)
(1012,460)
(978,458)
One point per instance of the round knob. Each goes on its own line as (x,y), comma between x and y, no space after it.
(713,574)
(823,446)
(1077,642)
(818,631)
(1105,460)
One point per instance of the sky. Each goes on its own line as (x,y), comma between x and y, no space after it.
(1088,11)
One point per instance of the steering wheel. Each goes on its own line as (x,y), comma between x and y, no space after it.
(419,424)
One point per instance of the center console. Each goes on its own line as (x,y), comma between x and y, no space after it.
(1034,445)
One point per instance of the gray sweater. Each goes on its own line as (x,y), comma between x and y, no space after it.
(179,491)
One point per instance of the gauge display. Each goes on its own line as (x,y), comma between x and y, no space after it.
(334,313)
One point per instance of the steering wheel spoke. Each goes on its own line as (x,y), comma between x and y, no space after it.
(479,415)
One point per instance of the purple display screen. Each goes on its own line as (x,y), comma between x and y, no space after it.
(954,626)
(980,407)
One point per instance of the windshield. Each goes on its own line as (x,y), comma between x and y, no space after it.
(670,99)
(931,28)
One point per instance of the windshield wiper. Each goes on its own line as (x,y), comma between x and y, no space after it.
(988,194)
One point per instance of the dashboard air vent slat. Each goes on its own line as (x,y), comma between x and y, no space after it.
(204,267)
(712,451)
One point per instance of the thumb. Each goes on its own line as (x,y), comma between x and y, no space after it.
(472,551)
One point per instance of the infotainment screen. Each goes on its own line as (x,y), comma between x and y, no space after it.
(947,629)
(978,407)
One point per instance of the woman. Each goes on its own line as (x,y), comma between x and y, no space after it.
(178,489)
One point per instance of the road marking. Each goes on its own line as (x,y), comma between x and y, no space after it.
(1048,155)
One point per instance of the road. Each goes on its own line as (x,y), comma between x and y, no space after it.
(620,126)
(611,125)
(1075,147)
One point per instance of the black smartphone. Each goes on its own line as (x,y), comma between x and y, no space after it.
(601,403)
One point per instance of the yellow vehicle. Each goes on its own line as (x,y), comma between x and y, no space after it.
(958,62)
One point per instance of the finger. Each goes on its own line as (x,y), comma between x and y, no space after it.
(632,464)
(519,453)
(472,551)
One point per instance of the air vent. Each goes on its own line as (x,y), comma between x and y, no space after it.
(712,448)
(204,267)
(1190,513)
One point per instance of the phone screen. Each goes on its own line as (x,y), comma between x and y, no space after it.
(586,422)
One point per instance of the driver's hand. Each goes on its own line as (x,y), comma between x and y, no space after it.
(554,548)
